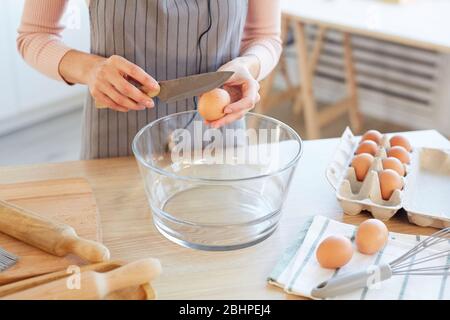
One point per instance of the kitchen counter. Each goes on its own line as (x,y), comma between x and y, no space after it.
(189,274)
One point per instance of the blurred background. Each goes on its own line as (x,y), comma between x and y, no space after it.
(40,119)
(398,53)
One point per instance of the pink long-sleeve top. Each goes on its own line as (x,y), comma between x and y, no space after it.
(39,35)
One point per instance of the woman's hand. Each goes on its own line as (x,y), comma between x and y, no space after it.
(107,81)
(243,90)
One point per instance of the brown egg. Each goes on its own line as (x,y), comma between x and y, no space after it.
(401,141)
(367,146)
(390,180)
(394,164)
(212,103)
(361,163)
(400,153)
(371,236)
(334,252)
(373,135)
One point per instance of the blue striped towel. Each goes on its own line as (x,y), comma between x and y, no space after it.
(298,271)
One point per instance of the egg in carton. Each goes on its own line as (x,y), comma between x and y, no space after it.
(355,196)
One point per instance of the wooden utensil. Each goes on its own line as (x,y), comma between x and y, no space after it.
(70,201)
(93,285)
(141,292)
(51,236)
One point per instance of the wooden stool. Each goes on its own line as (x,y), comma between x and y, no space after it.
(303,97)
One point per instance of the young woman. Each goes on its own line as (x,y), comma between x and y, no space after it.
(150,41)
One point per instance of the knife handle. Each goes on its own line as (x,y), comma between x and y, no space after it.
(142,88)
(99,106)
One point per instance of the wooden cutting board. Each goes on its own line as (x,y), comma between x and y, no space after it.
(70,201)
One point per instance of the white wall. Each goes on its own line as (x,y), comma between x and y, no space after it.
(28,96)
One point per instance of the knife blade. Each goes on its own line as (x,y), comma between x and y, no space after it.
(187,87)
(191,86)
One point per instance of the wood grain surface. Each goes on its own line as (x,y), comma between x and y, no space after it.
(66,200)
(129,233)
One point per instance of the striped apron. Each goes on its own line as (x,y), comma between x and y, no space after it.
(161,37)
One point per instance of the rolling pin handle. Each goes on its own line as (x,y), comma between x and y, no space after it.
(89,250)
(94,285)
(135,273)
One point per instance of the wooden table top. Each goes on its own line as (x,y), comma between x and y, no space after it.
(420,23)
(189,274)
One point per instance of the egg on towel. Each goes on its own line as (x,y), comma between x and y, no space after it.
(371,236)
(334,252)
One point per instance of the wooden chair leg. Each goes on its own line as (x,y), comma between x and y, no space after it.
(285,73)
(313,61)
(317,50)
(350,80)
(282,64)
(306,78)
(298,104)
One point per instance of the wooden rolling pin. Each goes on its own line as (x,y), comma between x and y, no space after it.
(50,236)
(141,292)
(94,285)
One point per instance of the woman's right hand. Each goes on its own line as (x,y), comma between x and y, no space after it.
(107,82)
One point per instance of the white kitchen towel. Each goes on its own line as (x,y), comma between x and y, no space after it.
(298,271)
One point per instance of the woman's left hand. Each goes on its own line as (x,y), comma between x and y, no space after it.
(243,90)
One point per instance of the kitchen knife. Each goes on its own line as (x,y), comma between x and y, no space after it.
(187,87)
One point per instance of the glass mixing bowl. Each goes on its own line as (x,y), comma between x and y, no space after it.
(216,189)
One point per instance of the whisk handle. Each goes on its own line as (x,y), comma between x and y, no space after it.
(349,282)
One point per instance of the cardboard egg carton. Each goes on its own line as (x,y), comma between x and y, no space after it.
(425,195)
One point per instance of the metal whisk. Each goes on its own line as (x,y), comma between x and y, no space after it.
(6,260)
(406,264)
